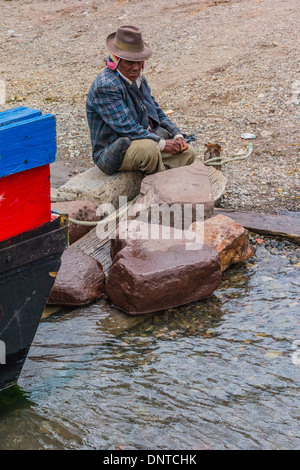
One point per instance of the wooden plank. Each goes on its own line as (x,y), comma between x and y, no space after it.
(27,144)
(36,248)
(282,226)
(290,213)
(217,182)
(55,223)
(99,248)
(18,114)
(13,110)
(95,247)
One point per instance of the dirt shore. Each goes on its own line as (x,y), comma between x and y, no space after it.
(223,67)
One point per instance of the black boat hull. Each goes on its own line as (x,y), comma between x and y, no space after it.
(28,273)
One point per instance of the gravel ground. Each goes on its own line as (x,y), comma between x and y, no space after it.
(222,67)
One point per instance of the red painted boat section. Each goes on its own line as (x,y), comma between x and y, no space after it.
(25,201)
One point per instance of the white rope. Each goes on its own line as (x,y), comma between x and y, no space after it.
(217,161)
(107,219)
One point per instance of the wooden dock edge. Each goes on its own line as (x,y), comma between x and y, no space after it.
(281,226)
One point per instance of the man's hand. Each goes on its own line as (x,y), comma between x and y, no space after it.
(175,146)
(183,143)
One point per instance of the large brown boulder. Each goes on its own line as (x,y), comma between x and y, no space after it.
(77,210)
(187,186)
(80,280)
(152,275)
(137,230)
(229,238)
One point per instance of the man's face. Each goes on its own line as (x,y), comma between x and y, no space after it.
(129,69)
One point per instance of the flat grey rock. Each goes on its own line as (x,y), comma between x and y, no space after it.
(95,186)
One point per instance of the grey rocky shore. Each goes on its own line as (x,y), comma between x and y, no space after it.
(223,68)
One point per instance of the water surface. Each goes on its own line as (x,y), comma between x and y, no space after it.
(221,373)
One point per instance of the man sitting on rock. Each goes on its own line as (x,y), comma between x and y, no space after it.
(128,129)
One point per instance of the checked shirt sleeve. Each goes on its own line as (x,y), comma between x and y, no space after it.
(109,104)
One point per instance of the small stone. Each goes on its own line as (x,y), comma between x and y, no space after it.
(266,134)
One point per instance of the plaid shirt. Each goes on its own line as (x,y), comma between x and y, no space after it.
(118,113)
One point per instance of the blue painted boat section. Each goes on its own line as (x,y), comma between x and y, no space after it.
(14,110)
(18,114)
(26,142)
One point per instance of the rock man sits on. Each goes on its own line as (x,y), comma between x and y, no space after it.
(128,129)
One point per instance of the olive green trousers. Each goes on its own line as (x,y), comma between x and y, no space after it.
(144,155)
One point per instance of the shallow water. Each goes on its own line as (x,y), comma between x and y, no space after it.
(221,373)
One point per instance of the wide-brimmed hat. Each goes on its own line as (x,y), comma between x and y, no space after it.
(127,43)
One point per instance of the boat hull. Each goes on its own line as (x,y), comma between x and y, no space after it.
(29,265)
